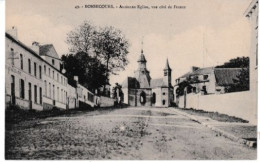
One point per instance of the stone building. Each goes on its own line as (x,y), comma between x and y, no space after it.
(142,90)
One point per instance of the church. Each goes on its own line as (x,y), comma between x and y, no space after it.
(142,90)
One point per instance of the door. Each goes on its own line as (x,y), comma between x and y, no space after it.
(12,90)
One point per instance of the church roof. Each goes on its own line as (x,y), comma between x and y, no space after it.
(156,83)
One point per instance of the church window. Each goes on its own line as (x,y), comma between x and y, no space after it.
(165,73)
(205,77)
(163,93)
(53,61)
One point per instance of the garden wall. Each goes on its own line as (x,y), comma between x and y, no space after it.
(239,104)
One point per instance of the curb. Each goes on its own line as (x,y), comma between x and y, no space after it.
(251,144)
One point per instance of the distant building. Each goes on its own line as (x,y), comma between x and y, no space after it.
(142,90)
(208,80)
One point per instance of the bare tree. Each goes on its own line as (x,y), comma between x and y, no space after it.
(81,38)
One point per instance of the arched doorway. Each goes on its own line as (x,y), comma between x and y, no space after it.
(142,98)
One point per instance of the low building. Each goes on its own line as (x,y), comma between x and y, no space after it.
(209,80)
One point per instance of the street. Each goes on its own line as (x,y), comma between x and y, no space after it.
(120,134)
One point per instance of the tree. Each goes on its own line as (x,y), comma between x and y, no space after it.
(108,45)
(81,38)
(90,70)
(239,62)
(111,48)
(241,83)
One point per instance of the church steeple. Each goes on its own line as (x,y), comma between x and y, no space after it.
(167,67)
(167,79)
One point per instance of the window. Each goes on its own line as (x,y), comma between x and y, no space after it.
(45,84)
(165,73)
(49,72)
(40,95)
(40,72)
(53,62)
(30,91)
(58,93)
(58,77)
(53,91)
(22,88)
(205,77)
(50,90)
(61,79)
(21,61)
(64,81)
(35,69)
(163,93)
(12,56)
(53,74)
(61,95)
(29,66)
(44,68)
(35,93)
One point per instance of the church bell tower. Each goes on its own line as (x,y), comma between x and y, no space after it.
(167,77)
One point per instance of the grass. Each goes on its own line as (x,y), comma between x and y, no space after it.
(214,115)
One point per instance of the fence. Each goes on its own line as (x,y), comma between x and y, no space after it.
(239,104)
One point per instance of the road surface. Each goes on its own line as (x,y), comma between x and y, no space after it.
(131,133)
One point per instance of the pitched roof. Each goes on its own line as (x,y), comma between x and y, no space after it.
(48,50)
(226,76)
(200,71)
(156,83)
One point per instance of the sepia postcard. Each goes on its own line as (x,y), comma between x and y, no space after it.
(131,80)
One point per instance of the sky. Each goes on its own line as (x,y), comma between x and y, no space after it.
(205,33)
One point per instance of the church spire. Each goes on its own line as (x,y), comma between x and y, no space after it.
(167,67)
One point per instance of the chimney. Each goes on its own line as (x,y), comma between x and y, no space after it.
(36,47)
(13,32)
(194,68)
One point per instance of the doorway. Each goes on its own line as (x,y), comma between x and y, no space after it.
(142,98)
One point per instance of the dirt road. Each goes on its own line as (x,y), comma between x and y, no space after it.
(129,133)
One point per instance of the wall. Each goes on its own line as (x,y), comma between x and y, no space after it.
(252,16)
(239,104)
(106,102)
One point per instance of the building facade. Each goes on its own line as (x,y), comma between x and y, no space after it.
(35,78)
(142,90)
